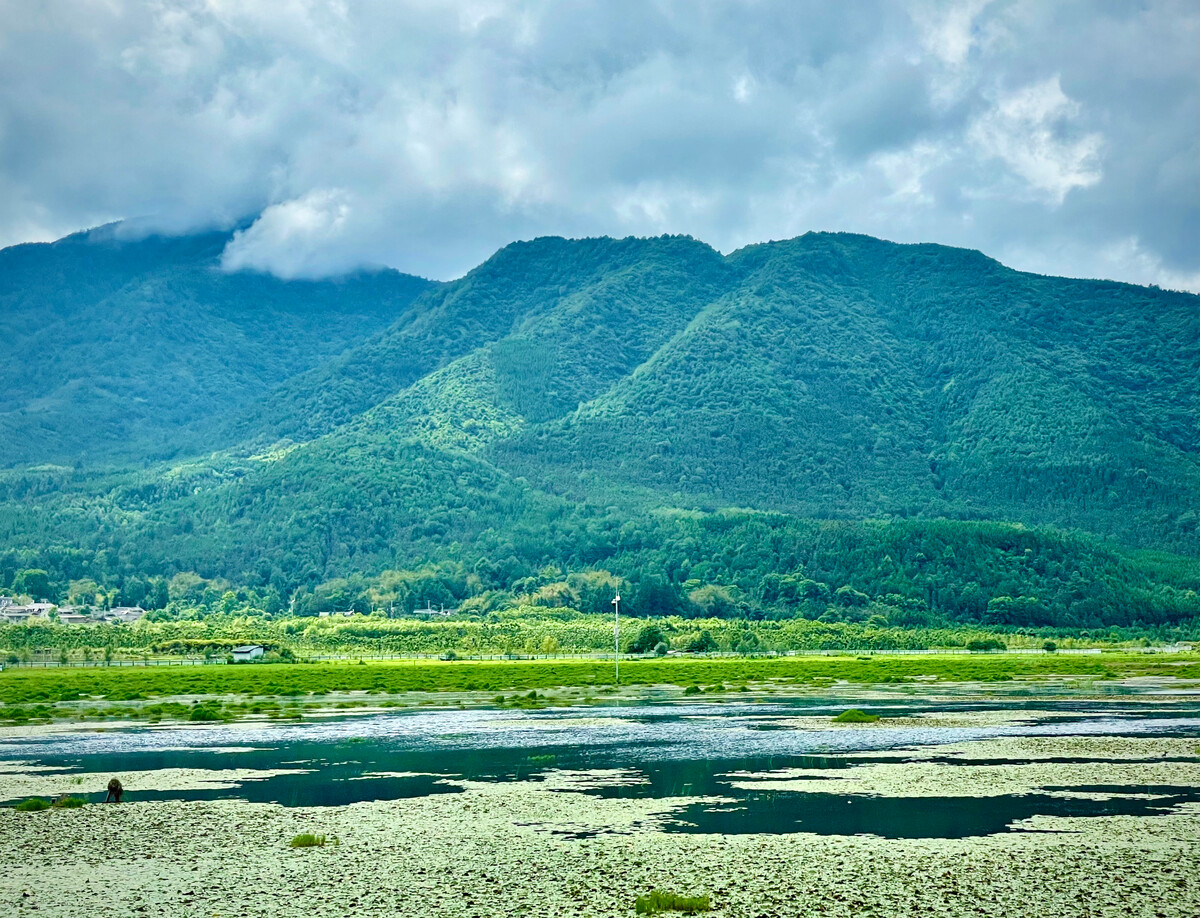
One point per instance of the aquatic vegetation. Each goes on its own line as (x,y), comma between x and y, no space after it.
(205,711)
(659,901)
(32,805)
(307,840)
(68,803)
(855,716)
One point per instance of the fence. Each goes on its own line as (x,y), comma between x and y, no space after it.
(596,656)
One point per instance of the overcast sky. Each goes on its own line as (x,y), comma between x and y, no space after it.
(1060,137)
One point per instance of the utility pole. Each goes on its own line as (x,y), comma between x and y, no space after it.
(617,637)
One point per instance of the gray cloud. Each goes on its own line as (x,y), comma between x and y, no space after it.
(1062,138)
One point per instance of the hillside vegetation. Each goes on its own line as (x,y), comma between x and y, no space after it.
(831,427)
(120,350)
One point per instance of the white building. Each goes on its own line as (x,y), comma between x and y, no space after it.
(247,653)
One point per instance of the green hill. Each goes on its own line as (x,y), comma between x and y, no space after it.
(831,426)
(846,376)
(122,350)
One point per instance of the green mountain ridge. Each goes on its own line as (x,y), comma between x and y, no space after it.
(125,350)
(525,416)
(923,398)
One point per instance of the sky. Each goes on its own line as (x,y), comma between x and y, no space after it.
(1059,137)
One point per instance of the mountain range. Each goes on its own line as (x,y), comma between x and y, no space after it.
(166,415)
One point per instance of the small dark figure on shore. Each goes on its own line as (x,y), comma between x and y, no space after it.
(115,790)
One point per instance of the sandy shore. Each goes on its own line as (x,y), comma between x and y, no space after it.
(506,849)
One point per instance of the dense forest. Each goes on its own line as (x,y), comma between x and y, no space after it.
(119,351)
(833,428)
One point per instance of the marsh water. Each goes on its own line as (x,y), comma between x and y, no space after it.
(660,751)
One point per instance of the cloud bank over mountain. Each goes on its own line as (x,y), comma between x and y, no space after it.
(1062,138)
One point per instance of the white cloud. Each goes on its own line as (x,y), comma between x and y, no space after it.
(424,134)
(297,238)
(905,170)
(1125,259)
(947,27)
(1033,131)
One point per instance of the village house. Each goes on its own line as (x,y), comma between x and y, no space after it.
(126,614)
(75,618)
(14,615)
(247,653)
(23,613)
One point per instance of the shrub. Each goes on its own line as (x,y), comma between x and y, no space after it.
(855,716)
(986,646)
(1049,647)
(658,901)
(660,649)
(32,805)
(308,840)
(68,803)
(692,690)
(703,642)
(647,640)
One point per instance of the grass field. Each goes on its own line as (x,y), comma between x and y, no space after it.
(48,686)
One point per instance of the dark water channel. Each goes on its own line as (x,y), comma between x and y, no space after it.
(663,752)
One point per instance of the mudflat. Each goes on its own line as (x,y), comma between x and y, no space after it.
(550,846)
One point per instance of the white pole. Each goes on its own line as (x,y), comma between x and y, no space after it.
(617,638)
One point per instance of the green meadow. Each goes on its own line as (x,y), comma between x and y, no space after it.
(44,687)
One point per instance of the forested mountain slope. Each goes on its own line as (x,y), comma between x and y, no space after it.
(121,350)
(543,309)
(583,406)
(842,375)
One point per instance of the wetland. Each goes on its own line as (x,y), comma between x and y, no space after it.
(1069,796)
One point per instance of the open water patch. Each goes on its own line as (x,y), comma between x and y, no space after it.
(786,812)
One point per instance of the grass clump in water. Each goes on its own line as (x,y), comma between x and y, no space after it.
(658,901)
(855,716)
(693,690)
(68,803)
(205,712)
(32,805)
(308,840)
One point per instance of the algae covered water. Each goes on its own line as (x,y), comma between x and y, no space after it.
(693,752)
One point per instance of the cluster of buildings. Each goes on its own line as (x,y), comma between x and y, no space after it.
(15,613)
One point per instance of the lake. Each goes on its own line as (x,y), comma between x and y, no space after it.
(661,751)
